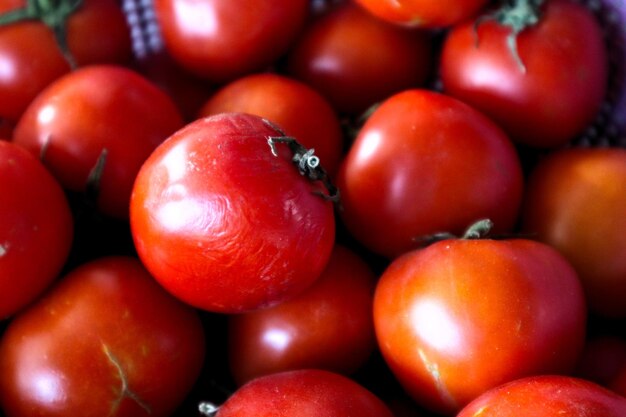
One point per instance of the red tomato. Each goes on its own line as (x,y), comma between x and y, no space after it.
(321,328)
(551,93)
(356,60)
(36,228)
(425,163)
(223,223)
(463,316)
(303,393)
(107,340)
(222,40)
(575,202)
(113,109)
(547,396)
(97,32)
(423,13)
(294,106)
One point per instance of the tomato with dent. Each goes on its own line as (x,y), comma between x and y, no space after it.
(462,316)
(546,90)
(106,340)
(575,202)
(226,224)
(329,326)
(117,118)
(36,229)
(426,163)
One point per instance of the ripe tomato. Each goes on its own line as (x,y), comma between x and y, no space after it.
(554,88)
(576,201)
(356,60)
(463,316)
(96,31)
(222,40)
(425,163)
(223,223)
(321,328)
(36,228)
(107,340)
(547,396)
(294,106)
(423,13)
(126,119)
(303,393)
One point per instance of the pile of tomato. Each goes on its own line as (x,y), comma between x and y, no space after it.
(302,208)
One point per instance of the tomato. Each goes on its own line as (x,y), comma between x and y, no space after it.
(223,223)
(122,123)
(575,201)
(425,163)
(462,316)
(107,340)
(36,228)
(602,359)
(356,60)
(96,32)
(222,40)
(303,393)
(423,13)
(294,106)
(321,328)
(546,89)
(547,396)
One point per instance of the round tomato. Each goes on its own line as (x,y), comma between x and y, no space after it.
(223,218)
(425,163)
(222,40)
(575,202)
(321,328)
(543,85)
(106,341)
(36,228)
(547,396)
(460,317)
(94,127)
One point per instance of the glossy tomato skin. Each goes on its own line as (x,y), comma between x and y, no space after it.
(556,94)
(36,226)
(299,110)
(96,33)
(463,316)
(303,393)
(423,13)
(221,41)
(575,202)
(129,119)
(107,340)
(356,60)
(547,396)
(426,163)
(224,224)
(328,326)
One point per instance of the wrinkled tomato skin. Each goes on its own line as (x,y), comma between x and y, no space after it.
(223,40)
(463,316)
(107,340)
(426,163)
(561,89)
(129,118)
(224,224)
(547,396)
(575,202)
(303,393)
(36,228)
(321,328)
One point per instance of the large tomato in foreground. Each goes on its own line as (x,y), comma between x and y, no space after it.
(106,341)
(223,218)
(463,316)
